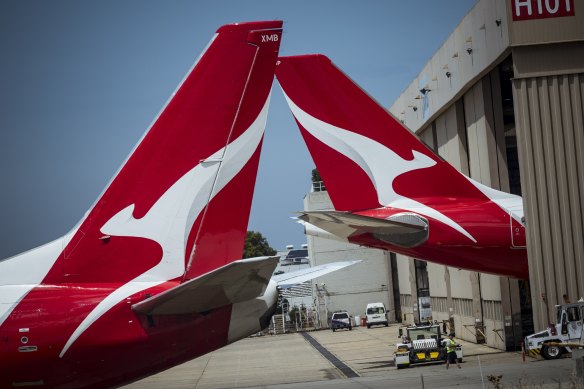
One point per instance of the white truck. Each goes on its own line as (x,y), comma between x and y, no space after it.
(422,344)
(567,330)
(376,314)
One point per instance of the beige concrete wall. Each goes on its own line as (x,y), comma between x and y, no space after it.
(428,137)
(550,130)
(451,138)
(403,268)
(437,280)
(494,332)
(460,281)
(548,30)
(407,287)
(490,287)
(481,139)
(469,134)
(548,111)
(487,41)
(354,287)
(548,60)
(488,165)
(454,284)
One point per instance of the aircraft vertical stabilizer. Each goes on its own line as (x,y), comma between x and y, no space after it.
(389,189)
(176,210)
(185,191)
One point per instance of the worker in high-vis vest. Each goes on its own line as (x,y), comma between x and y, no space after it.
(451,351)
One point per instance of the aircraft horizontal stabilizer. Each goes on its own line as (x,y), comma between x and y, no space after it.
(403,229)
(288,280)
(233,283)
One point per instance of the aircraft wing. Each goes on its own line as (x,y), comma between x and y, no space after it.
(288,280)
(405,229)
(235,282)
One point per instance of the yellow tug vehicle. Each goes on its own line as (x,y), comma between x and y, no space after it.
(422,344)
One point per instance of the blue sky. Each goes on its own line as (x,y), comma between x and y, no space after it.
(81,81)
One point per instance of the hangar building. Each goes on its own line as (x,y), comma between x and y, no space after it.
(502,100)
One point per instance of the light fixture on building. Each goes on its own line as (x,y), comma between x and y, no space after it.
(448,74)
(469,51)
(415,108)
(498,22)
(425,90)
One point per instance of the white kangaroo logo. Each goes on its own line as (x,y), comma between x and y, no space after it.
(381,164)
(170,219)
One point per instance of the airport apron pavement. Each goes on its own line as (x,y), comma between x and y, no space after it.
(361,358)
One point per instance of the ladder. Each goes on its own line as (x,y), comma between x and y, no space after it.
(278,324)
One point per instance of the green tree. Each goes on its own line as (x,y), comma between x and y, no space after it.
(316,176)
(256,245)
(317,183)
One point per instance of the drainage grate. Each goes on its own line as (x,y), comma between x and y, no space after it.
(346,370)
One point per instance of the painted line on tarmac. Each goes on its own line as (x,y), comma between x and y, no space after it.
(346,370)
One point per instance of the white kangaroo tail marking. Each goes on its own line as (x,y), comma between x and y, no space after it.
(170,219)
(381,164)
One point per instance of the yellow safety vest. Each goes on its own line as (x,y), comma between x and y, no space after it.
(451,346)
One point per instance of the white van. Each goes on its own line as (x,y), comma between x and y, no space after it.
(376,314)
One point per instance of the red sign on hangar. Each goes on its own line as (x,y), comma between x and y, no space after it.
(541,9)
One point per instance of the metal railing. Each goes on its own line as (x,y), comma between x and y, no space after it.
(318,186)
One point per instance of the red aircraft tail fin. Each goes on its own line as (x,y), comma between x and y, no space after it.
(365,156)
(179,206)
(388,188)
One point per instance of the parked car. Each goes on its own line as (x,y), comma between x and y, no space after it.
(376,314)
(341,320)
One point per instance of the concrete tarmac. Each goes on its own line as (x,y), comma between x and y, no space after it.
(290,361)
